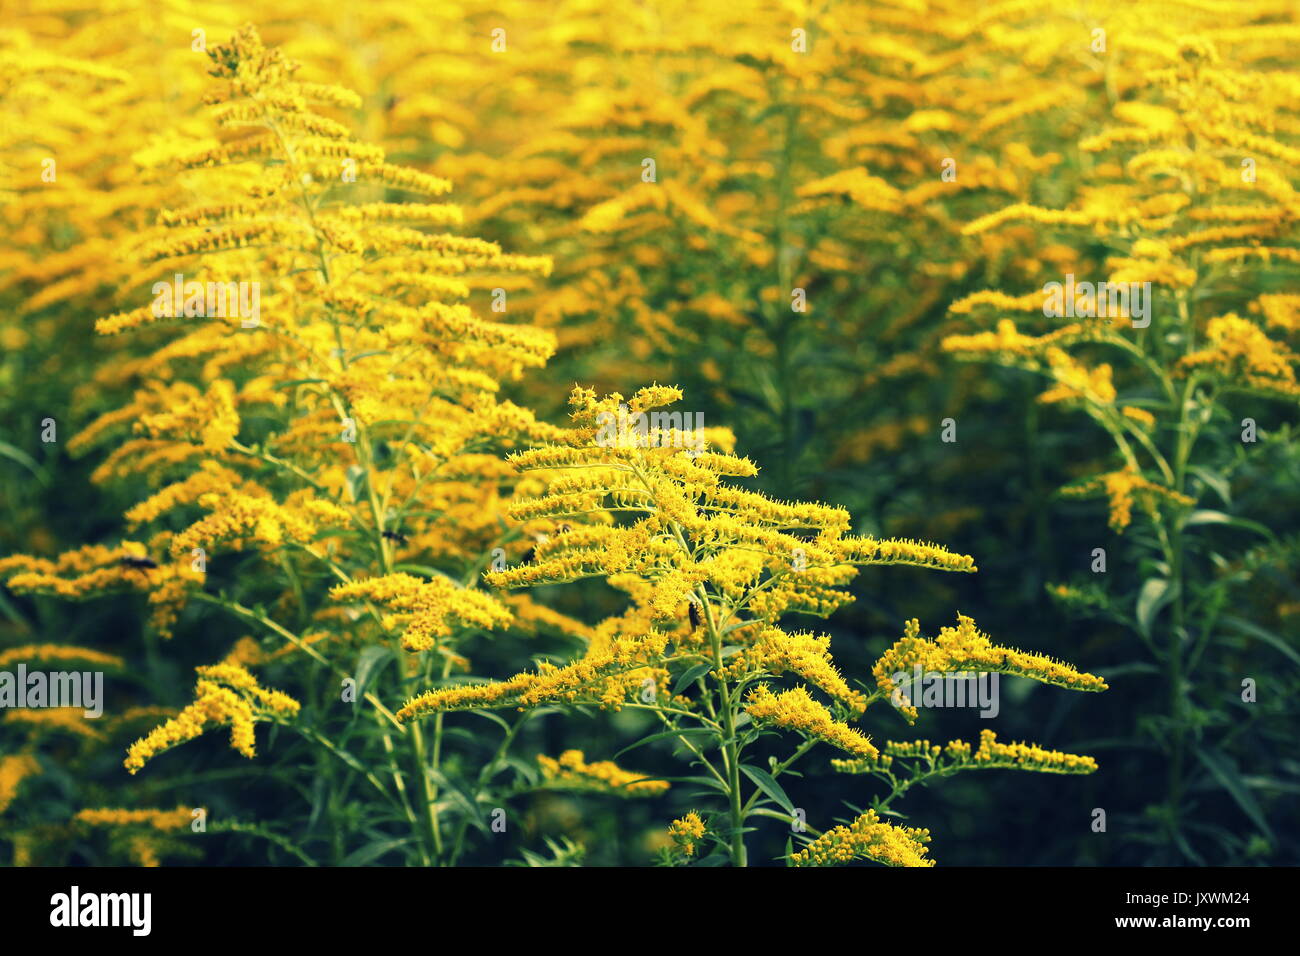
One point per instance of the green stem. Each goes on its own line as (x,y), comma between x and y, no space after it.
(427,797)
(730,749)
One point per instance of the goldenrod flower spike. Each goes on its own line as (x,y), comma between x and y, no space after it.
(428,611)
(796,710)
(773,651)
(14,769)
(1122,489)
(60,654)
(226,695)
(957,755)
(164,820)
(145,836)
(867,838)
(607,677)
(1243,357)
(966,648)
(97,570)
(571,771)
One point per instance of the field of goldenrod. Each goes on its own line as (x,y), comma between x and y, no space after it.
(588,433)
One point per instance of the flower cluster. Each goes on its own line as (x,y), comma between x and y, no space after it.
(965,648)
(571,771)
(867,838)
(226,695)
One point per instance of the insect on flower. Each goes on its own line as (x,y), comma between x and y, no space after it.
(137,562)
(541,539)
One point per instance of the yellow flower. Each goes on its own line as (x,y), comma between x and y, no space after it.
(966,648)
(867,838)
(58,653)
(957,755)
(571,771)
(164,820)
(226,695)
(14,769)
(772,651)
(1122,488)
(1245,357)
(687,832)
(796,710)
(428,610)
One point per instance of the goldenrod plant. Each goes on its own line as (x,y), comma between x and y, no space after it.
(315,434)
(711,570)
(1178,351)
(291,301)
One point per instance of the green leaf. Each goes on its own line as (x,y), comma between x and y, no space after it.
(27,461)
(370,662)
(1153,596)
(767,783)
(1206,516)
(495,718)
(1268,637)
(1215,482)
(1186,848)
(356,476)
(455,795)
(1226,773)
(690,677)
(702,781)
(372,851)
